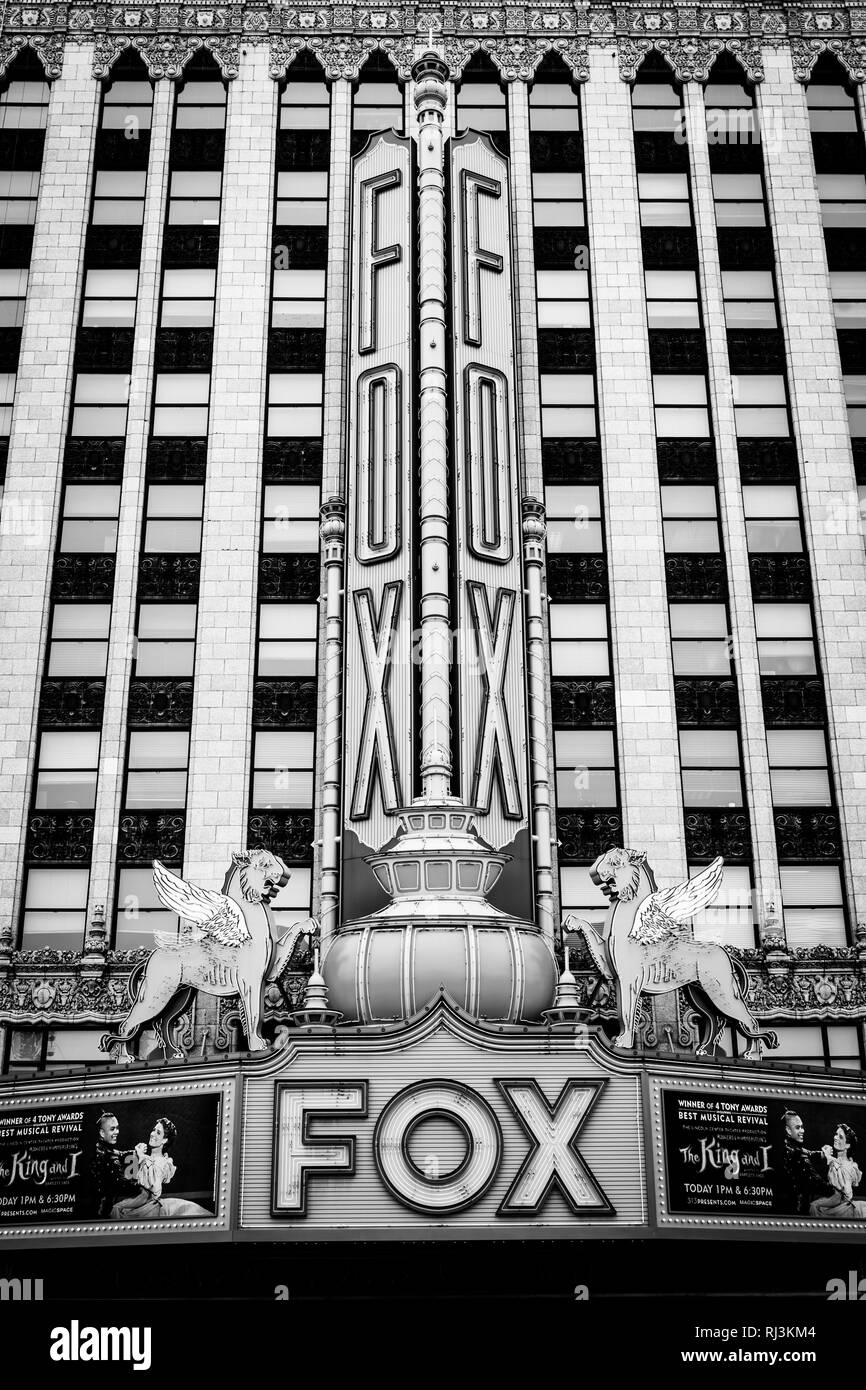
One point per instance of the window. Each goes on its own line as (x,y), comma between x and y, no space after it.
(13,292)
(699,639)
(19,190)
(657,106)
(139,911)
(37,1049)
(194,198)
(109,299)
(585,768)
(66,771)
(798,767)
(813,905)
(553,106)
(710,764)
(731,119)
(99,405)
(760,407)
(299,299)
(24,105)
(730,918)
(843,199)
(188,298)
(831,108)
(481,106)
(293,903)
(849,298)
(750,299)
(294,405)
(681,407)
(181,404)
(291,519)
(672,299)
(283,770)
(7,398)
(118,198)
(166,639)
(739,200)
(772,518)
(822,1044)
(127,106)
(302,199)
(690,519)
(557,200)
(580,895)
(573,519)
(785,643)
(855,399)
(79,639)
(377,105)
(568,406)
(664,200)
(563,298)
(173,518)
(55,909)
(89,521)
(156,776)
(305,106)
(579,639)
(201,106)
(287,639)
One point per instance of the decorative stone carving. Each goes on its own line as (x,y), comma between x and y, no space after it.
(47,47)
(166,55)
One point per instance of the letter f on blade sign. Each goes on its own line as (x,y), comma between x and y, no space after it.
(554,1160)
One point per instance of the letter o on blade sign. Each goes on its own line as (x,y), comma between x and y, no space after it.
(426,1189)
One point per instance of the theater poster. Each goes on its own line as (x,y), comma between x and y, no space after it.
(744,1153)
(152,1160)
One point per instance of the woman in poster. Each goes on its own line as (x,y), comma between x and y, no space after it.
(843,1175)
(155,1170)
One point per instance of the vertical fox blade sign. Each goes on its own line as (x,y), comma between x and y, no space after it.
(377,767)
(489,618)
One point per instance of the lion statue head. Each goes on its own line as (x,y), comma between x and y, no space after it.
(617,873)
(262,874)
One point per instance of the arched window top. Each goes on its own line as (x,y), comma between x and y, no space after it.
(656,97)
(377,102)
(127,100)
(831,98)
(305,96)
(481,102)
(24,93)
(554,104)
(201,94)
(728,84)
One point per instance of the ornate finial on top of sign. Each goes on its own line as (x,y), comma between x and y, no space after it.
(430,73)
(647,948)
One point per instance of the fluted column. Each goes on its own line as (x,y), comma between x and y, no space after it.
(121,642)
(333,534)
(753,738)
(534,531)
(430,73)
(40,416)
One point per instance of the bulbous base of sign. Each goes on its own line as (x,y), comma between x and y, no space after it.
(439,930)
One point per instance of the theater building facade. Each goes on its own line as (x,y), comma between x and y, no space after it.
(433,445)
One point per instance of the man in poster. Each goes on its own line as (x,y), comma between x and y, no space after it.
(108,1165)
(801,1172)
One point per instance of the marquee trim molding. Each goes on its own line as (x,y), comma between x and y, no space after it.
(515,37)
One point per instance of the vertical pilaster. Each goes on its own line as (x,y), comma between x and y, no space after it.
(129,531)
(640,645)
(430,96)
(326,885)
(218,788)
(753,739)
(821,429)
(39,424)
(532,485)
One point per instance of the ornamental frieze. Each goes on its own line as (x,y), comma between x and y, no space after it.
(690,58)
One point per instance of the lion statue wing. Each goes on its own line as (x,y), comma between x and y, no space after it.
(217,920)
(661,916)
